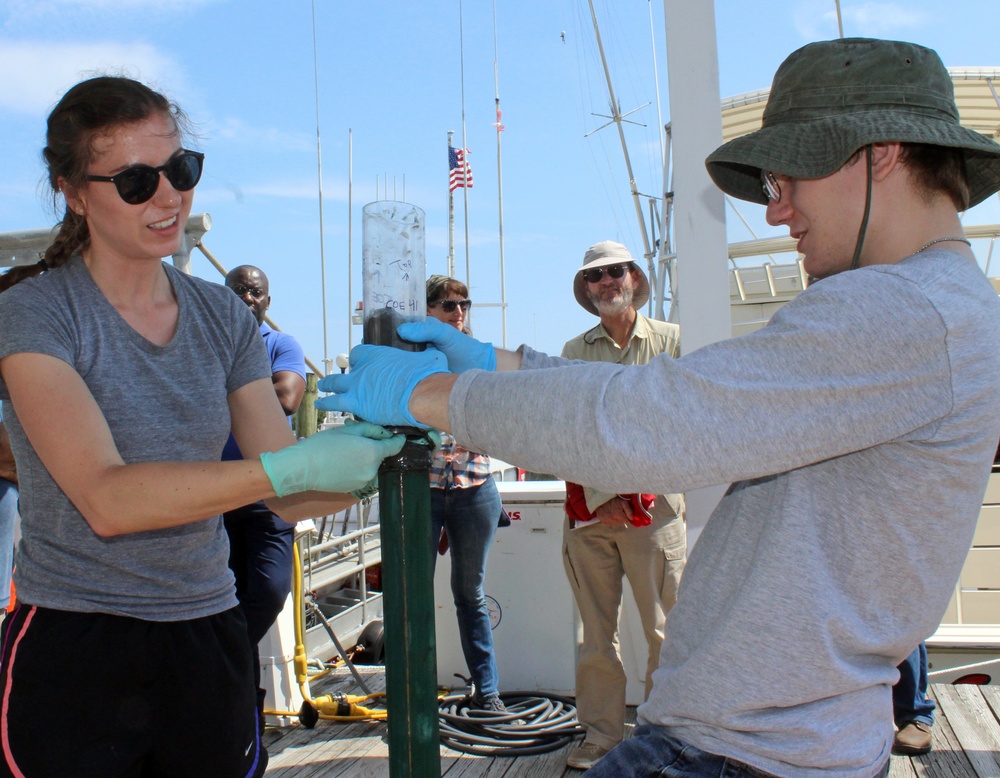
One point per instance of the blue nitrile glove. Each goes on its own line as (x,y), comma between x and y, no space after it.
(380,382)
(463,352)
(338,460)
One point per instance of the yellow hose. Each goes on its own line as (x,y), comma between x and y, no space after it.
(336,707)
(329,707)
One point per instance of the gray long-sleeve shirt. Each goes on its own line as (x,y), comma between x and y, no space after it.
(857,429)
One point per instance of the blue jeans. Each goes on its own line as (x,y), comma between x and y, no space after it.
(652,752)
(470,517)
(8,516)
(909,695)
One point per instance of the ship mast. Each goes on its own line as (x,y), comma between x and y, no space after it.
(617,117)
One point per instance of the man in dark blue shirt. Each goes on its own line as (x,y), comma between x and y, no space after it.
(260,543)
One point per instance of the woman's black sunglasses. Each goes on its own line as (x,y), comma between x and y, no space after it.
(449,306)
(595,274)
(138,183)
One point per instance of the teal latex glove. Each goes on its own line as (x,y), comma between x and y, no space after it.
(434,436)
(339,460)
(371,488)
(463,352)
(380,382)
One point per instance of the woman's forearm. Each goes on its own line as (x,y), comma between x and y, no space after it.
(155,495)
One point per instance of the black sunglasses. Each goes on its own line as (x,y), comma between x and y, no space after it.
(595,274)
(138,183)
(449,306)
(255,291)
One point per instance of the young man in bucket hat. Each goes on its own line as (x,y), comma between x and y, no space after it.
(609,537)
(857,428)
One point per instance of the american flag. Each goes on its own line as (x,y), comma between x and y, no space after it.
(459,170)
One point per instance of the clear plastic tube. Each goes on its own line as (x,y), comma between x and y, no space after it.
(393,269)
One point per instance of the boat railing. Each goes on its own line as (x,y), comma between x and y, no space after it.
(338,557)
(756,291)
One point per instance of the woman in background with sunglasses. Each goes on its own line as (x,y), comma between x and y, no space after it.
(466,505)
(121,378)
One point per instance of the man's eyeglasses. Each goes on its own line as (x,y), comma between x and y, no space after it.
(770,186)
(595,274)
(255,291)
(138,183)
(449,306)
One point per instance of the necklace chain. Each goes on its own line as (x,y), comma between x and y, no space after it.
(941,240)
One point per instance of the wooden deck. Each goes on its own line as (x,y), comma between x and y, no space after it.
(966,743)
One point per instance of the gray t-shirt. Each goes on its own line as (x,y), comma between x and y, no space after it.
(858,429)
(162,403)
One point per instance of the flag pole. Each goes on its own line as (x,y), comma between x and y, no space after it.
(499,126)
(451,214)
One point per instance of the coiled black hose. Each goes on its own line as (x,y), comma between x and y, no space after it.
(535,723)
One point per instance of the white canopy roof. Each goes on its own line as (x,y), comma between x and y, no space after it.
(975,94)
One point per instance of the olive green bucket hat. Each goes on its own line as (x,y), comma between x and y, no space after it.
(831,98)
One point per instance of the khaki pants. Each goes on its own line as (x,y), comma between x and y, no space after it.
(596,558)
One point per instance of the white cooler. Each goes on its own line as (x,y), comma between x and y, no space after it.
(536,628)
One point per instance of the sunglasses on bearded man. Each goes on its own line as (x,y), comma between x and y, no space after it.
(595,274)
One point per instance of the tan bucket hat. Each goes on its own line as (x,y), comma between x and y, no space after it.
(601,255)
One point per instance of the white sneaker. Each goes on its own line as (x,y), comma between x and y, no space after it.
(586,756)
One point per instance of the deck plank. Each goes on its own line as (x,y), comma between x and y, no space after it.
(966,742)
(974,725)
(901,767)
(992,696)
(946,759)
(331,747)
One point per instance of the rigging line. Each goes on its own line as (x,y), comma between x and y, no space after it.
(612,195)
(631,77)
(606,174)
(496,90)
(582,78)
(583,87)
(587,52)
(350,237)
(319,178)
(465,151)
(640,216)
(636,82)
(656,86)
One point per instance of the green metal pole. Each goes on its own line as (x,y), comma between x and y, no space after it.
(305,416)
(408,603)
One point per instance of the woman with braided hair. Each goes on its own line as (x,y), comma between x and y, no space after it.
(122,567)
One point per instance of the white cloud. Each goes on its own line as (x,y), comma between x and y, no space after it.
(816,21)
(26,11)
(236,130)
(882,20)
(46,70)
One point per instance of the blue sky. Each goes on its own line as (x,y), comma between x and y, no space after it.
(391,74)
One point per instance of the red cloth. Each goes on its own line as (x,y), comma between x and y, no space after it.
(576,506)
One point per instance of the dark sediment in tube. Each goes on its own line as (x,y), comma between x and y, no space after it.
(380,330)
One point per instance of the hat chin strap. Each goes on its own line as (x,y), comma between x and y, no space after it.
(856,262)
